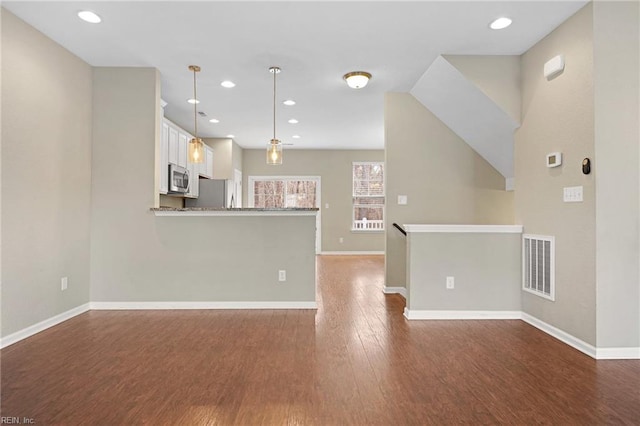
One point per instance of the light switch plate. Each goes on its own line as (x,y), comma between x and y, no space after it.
(572,194)
(402,200)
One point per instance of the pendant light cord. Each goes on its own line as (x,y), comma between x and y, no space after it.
(195,105)
(274,103)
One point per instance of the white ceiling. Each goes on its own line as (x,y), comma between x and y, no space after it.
(315,44)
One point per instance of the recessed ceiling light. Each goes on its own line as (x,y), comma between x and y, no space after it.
(214,120)
(89,16)
(289,102)
(193,101)
(228,84)
(293,121)
(500,23)
(231,136)
(296,136)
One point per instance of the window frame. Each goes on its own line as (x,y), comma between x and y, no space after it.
(378,226)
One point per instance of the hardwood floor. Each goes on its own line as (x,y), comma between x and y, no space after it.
(355,361)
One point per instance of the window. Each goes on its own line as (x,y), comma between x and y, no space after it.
(368,197)
(284,192)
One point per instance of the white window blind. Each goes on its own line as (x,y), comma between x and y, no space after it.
(368,196)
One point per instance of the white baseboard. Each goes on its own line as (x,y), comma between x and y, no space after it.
(618,353)
(42,325)
(563,336)
(201,305)
(343,253)
(402,291)
(460,315)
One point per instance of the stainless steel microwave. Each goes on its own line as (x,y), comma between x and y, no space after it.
(178,179)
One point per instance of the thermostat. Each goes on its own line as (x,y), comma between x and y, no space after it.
(554,159)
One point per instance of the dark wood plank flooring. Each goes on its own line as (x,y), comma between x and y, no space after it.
(355,361)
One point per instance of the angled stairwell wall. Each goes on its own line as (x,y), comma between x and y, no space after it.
(478,99)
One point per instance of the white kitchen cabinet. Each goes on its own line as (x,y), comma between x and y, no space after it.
(209,163)
(183,147)
(164,159)
(174,150)
(194,180)
(173,145)
(205,168)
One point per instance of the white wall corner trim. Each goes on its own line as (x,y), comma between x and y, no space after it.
(402,291)
(43,325)
(460,315)
(563,336)
(104,306)
(352,253)
(617,353)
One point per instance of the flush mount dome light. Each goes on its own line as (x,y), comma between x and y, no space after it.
(214,120)
(193,101)
(292,121)
(357,79)
(89,16)
(500,23)
(228,84)
(289,102)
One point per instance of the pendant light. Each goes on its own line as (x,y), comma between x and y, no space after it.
(196,146)
(274,147)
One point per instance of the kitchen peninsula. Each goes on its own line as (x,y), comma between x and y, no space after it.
(213,258)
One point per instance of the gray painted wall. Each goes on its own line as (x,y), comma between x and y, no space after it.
(445,180)
(617,136)
(136,256)
(334,169)
(558,116)
(46,176)
(486,268)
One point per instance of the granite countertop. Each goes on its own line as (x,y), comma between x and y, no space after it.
(236,209)
(241,211)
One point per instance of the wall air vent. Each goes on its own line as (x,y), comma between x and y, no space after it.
(538,265)
(202,113)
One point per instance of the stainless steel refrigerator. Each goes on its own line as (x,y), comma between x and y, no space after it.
(212,193)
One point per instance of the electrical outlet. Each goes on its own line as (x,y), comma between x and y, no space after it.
(64,283)
(341,240)
(450,283)
(282,275)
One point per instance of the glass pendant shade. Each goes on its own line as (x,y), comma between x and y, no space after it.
(274,152)
(196,150)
